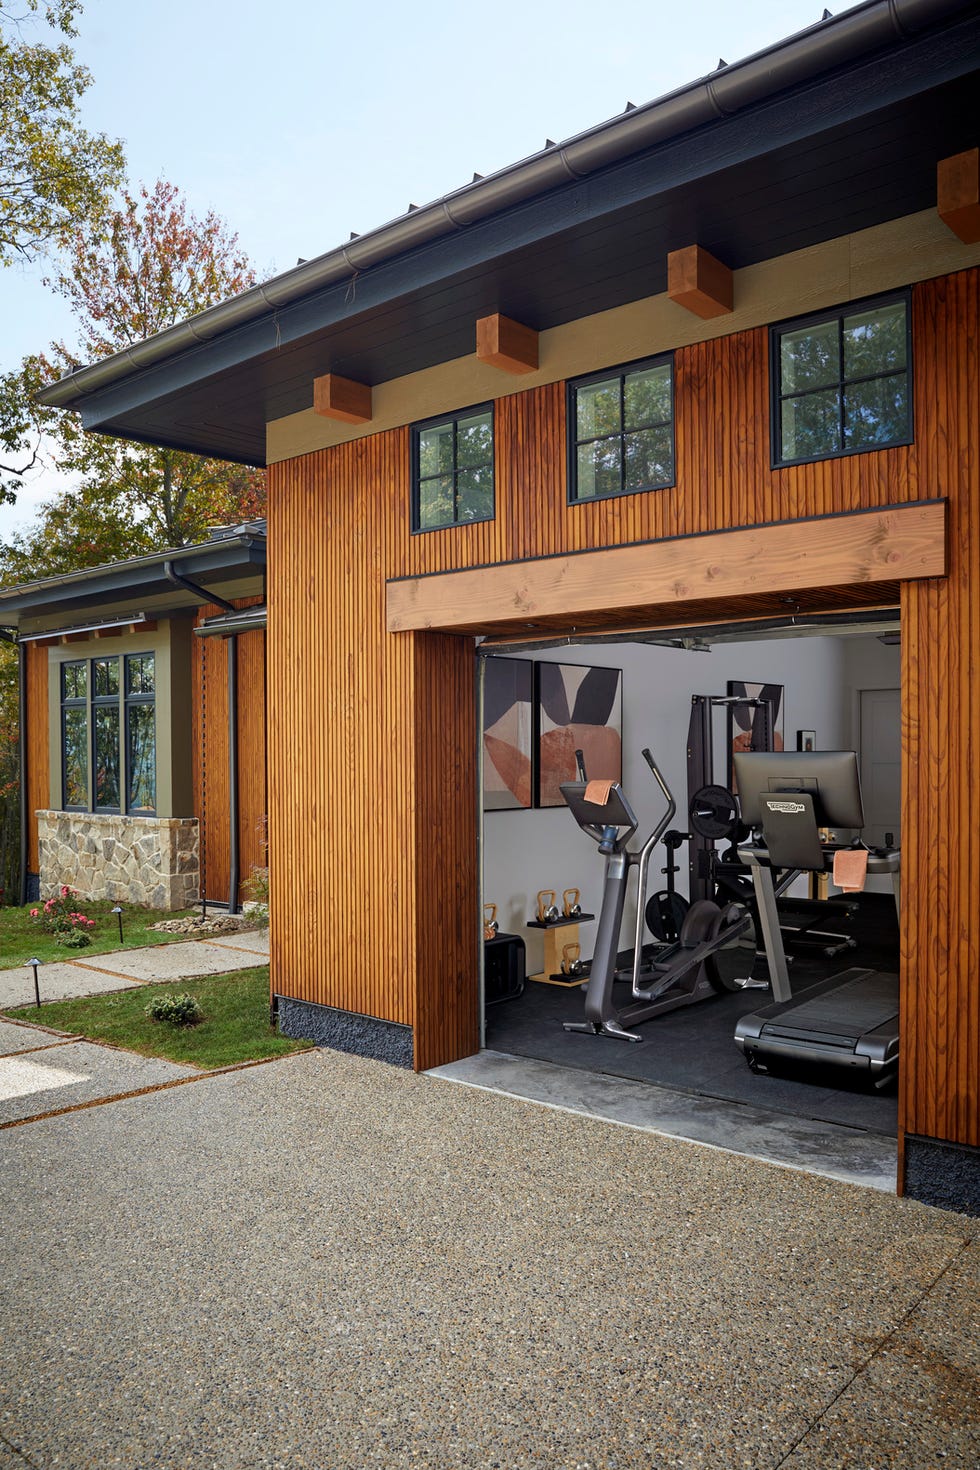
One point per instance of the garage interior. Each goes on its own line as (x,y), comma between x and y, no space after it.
(838,677)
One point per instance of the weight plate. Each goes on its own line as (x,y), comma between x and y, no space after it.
(665,914)
(713,812)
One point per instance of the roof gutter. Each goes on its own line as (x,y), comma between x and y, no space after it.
(11,595)
(831,43)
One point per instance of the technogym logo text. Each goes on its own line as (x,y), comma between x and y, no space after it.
(788,808)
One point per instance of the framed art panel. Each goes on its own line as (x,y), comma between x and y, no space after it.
(508,734)
(578,708)
(745,725)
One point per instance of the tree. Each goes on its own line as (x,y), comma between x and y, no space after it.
(153,264)
(53,173)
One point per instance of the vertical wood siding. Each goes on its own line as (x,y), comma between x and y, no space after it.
(941,736)
(38,752)
(209,699)
(372,737)
(342,735)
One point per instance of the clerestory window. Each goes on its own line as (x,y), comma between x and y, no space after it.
(453,470)
(621,431)
(841,382)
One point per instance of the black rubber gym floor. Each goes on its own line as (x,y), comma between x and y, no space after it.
(693,1050)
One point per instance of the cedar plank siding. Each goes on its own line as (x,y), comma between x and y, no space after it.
(372,737)
(941,736)
(35,723)
(210,753)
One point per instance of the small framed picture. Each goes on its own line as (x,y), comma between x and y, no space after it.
(806,739)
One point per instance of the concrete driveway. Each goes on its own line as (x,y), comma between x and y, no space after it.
(327,1262)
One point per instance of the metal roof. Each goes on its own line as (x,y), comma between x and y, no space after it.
(142,579)
(830,131)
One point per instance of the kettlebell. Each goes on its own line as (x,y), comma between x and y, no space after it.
(547,908)
(571,907)
(490,925)
(571,964)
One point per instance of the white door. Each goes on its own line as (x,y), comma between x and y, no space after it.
(881,764)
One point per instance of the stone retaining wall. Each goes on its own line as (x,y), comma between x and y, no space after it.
(146,860)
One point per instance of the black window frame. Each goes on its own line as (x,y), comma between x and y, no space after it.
(819,318)
(437,421)
(105,701)
(130,701)
(65,704)
(121,702)
(607,375)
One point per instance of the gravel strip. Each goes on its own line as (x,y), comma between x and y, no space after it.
(327,1262)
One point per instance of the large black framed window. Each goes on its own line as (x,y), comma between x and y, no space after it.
(108,734)
(621,431)
(453,470)
(74,735)
(842,381)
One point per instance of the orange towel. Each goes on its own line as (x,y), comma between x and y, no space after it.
(851,868)
(598,791)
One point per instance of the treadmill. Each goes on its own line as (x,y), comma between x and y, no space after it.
(851,1020)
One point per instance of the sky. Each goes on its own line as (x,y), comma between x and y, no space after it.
(303,121)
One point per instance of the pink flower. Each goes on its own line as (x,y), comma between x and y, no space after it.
(34,913)
(65,890)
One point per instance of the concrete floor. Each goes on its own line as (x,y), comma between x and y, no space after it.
(331,1263)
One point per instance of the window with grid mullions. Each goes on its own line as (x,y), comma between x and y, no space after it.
(453,470)
(621,431)
(842,382)
(108,734)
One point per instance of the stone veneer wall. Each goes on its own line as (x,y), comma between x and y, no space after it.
(146,860)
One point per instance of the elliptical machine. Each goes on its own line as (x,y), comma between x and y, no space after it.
(682,974)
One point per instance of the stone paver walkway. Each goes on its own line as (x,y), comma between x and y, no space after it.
(122,969)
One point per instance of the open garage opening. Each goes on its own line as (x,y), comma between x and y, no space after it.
(832,682)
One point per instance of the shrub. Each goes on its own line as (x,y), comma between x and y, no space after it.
(175,1010)
(57,917)
(257,888)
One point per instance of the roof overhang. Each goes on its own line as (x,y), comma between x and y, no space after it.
(835,130)
(141,582)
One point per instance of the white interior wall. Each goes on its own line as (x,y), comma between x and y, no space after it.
(524,851)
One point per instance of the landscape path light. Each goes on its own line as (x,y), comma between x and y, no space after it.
(118,913)
(37,990)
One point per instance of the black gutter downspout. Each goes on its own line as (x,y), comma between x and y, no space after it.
(175,577)
(9,637)
(22,760)
(233,859)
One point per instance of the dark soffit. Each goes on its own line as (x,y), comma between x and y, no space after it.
(853,149)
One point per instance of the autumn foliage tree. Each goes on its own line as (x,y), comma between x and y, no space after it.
(53,173)
(154,264)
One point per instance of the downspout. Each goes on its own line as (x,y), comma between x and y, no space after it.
(233,859)
(22,761)
(175,577)
(9,636)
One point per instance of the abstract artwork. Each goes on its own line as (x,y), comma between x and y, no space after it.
(745,725)
(508,743)
(579,708)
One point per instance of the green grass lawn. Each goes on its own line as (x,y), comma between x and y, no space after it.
(235,1029)
(22,938)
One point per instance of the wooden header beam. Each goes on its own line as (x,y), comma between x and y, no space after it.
(883,545)
(506,344)
(958,194)
(342,398)
(699,282)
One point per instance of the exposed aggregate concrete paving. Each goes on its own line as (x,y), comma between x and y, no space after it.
(97,1072)
(330,1263)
